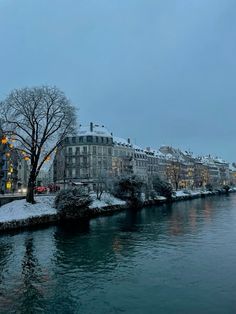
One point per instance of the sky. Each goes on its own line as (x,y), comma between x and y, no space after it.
(161,72)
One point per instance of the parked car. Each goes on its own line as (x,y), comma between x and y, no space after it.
(40,189)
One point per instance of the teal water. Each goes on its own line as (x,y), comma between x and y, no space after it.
(179,258)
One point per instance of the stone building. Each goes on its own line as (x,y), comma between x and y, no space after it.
(85,158)
(22,173)
(140,163)
(122,157)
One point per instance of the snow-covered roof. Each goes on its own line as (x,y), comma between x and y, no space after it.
(220,160)
(95,130)
(121,141)
(155,153)
(139,149)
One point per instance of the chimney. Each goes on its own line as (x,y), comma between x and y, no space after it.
(128,140)
(91,126)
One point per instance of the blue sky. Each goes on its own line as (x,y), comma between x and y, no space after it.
(159,72)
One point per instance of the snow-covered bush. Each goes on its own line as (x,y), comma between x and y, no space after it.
(72,203)
(226,188)
(129,188)
(162,188)
(209,187)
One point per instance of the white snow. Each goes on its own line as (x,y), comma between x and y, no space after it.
(106,200)
(180,193)
(18,210)
(97,130)
(190,192)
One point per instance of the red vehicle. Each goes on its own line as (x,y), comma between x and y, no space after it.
(40,189)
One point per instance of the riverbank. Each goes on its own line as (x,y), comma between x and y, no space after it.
(19,214)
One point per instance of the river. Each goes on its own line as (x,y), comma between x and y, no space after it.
(178,258)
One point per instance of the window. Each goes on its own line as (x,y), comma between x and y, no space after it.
(94,150)
(96,139)
(102,139)
(70,150)
(85,149)
(77,150)
(77,171)
(81,139)
(109,151)
(107,140)
(73,139)
(89,139)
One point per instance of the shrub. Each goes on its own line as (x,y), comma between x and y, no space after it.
(130,189)
(162,188)
(209,187)
(226,188)
(72,203)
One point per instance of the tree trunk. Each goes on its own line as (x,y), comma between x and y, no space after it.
(176,186)
(30,189)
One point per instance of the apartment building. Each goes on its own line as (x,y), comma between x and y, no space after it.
(85,158)
(122,157)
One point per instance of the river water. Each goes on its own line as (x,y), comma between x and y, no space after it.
(178,258)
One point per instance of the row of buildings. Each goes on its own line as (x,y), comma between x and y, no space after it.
(95,154)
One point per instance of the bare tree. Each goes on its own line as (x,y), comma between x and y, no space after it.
(38,119)
(173,173)
(103,182)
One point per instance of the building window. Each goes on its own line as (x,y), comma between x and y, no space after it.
(70,150)
(89,139)
(77,150)
(81,139)
(85,149)
(74,140)
(96,139)
(94,150)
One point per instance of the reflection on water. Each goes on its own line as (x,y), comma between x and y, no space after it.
(177,258)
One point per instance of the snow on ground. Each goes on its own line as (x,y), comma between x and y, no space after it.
(189,192)
(106,200)
(18,210)
(180,193)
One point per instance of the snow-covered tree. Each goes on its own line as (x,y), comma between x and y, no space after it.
(38,119)
(162,188)
(129,188)
(72,203)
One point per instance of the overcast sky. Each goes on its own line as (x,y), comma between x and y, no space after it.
(157,71)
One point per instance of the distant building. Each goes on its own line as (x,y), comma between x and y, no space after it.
(22,174)
(122,157)
(85,158)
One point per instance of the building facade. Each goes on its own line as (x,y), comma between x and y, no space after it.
(95,155)
(85,158)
